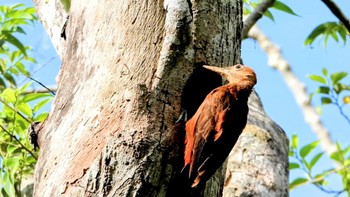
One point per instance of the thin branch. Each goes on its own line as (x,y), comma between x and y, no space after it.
(333,7)
(41,85)
(42,90)
(7,105)
(19,142)
(257,13)
(278,62)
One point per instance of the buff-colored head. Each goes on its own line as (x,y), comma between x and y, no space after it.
(237,74)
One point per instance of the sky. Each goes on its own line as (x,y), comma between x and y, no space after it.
(289,33)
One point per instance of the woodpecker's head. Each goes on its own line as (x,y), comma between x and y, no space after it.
(236,74)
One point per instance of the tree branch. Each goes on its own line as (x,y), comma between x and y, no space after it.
(257,13)
(19,142)
(277,61)
(51,90)
(333,7)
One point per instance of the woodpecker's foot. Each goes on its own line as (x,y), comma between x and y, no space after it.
(182,117)
(63,32)
(33,132)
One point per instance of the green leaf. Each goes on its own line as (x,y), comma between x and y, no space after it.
(25,109)
(283,7)
(269,15)
(11,148)
(66,5)
(337,155)
(290,153)
(41,117)
(325,72)
(337,76)
(318,78)
(326,100)
(315,160)
(24,87)
(10,79)
(323,90)
(20,66)
(40,104)
(319,30)
(9,95)
(308,148)
(12,163)
(8,184)
(34,96)
(295,141)
(14,41)
(320,178)
(297,182)
(293,166)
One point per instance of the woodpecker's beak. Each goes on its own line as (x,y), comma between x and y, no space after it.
(222,71)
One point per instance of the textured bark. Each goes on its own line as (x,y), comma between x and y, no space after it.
(125,65)
(258,164)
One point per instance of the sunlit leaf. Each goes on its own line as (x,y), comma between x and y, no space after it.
(9,95)
(318,78)
(283,7)
(34,96)
(293,166)
(41,117)
(346,99)
(314,160)
(295,141)
(308,148)
(337,76)
(325,72)
(8,184)
(40,104)
(269,15)
(297,182)
(25,109)
(13,40)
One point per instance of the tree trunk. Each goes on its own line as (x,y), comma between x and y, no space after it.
(128,69)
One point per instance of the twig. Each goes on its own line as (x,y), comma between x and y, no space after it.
(333,7)
(43,90)
(19,142)
(41,85)
(277,61)
(315,180)
(7,105)
(257,13)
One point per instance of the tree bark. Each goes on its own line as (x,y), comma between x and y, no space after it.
(258,164)
(128,69)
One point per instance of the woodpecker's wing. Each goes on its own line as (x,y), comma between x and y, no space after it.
(208,120)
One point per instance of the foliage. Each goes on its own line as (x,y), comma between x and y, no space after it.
(18,108)
(333,90)
(305,162)
(326,30)
(13,54)
(250,5)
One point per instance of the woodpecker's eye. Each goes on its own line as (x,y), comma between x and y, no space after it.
(238,66)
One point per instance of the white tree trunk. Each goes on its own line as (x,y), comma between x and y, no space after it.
(120,90)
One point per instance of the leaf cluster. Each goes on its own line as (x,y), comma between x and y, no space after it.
(333,90)
(250,5)
(305,161)
(17,108)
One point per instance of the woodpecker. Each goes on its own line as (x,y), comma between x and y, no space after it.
(215,127)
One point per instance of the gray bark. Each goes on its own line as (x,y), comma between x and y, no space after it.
(120,90)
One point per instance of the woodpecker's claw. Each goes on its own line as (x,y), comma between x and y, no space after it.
(182,117)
